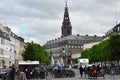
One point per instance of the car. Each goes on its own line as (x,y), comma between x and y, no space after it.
(3,72)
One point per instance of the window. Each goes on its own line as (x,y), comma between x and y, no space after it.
(69,46)
(73,42)
(69,42)
(66,18)
(68,31)
(1,52)
(72,46)
(66,46)
(75,46)
(118,28)
(81,46)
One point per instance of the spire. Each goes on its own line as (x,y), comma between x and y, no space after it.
(66,25)
(66,3)
(116,16)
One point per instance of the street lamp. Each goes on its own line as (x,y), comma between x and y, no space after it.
(3,61)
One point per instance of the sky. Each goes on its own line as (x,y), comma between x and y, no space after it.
(41,20)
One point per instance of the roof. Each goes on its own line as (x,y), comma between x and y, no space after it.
(28,62)
(80,39)
(74,37)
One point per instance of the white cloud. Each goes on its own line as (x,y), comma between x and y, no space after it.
(15,29)
(41,20)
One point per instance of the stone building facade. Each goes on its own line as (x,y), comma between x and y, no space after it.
(68,46)
(9,46)
(114,30)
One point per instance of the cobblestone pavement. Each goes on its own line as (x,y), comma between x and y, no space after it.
(77,77)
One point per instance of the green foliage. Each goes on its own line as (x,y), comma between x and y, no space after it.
(34,51)
(106,50)
(114,43)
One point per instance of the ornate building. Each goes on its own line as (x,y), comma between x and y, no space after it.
(11,47)
(114,30)
(68,46)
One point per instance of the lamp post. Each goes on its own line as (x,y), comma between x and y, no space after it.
(3,61)
(15,53)
(10,63)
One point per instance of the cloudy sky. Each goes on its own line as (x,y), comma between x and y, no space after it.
(41,20)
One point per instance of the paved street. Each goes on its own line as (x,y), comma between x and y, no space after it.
(77,77)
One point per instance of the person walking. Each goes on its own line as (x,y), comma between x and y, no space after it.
(102,71)
(4,76)
(27,72)
(95,73)
(112,72)
(86,71)
(12,73)
(8,74)
(37,73)
(22,76)
(81,71)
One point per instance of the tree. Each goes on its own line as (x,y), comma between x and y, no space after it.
(34,51)
(114,43)
(108,50)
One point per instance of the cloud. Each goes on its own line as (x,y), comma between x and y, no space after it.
(41,20)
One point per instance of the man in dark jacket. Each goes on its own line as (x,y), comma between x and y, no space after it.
(81,71)
(12,73)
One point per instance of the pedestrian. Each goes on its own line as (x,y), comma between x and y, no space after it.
(27,72)
(112,72)
(102,71)
(37,73)
(8,74)
(95,73)
(12,73)
(98,68)
(22,75)
(4,77)
(16,72)
(42,70)
(81,71)
(85,71)
(89,73)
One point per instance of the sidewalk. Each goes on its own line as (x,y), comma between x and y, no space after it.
(77,77)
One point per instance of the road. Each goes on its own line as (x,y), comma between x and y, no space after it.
(77,77)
